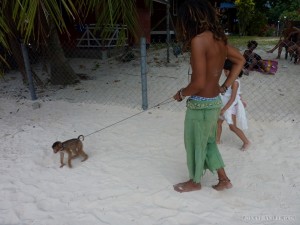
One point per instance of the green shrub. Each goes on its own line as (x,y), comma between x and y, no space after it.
(268,31)
(258,25)
(293,15)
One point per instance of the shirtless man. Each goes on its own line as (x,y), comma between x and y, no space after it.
(200,32)
(285,39)
(294,49)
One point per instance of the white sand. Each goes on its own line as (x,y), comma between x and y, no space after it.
(132,166)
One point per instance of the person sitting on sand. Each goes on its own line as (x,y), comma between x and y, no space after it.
(253,60)
(233,109)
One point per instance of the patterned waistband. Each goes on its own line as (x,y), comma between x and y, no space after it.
(204,104)
(199,98)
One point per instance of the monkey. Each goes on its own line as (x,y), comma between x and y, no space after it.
(72,147)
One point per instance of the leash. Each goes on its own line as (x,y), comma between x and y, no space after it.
(159,104)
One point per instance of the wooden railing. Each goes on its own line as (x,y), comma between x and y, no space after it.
(111,36)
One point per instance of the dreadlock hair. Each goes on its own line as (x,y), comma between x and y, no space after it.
(228,66)
(193,18)
(252,43)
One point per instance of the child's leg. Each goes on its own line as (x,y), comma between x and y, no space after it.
(219,131)
(239,133)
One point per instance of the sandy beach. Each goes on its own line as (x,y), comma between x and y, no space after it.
(136,156)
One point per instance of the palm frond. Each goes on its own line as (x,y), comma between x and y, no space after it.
(4,29)
(33,17)
(115,12)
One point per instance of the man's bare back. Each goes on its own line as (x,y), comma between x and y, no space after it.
(207,60)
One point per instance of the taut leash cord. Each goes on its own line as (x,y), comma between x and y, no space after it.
(162,103)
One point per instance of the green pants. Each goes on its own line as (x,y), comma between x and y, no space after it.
(200,127)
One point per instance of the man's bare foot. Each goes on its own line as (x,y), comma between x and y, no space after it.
(187,186)
(245,146)
(223,184)
(183,183)
(218,142)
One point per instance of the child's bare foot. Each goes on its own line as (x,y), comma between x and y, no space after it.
(223,184)
(187,186)
(245,146)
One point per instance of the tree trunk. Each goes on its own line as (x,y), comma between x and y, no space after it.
(18,56)
(13,42)
(61,73)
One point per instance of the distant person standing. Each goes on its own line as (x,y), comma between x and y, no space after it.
(286,39)
(199,30)
(294,48)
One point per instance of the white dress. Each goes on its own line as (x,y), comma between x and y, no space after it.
(237,108)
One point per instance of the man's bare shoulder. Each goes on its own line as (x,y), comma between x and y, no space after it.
(206,35)
(203,39)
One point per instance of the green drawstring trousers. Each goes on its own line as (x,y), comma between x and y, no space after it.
(200,127)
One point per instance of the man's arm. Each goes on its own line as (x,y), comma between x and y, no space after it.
(238,62)
(297,29)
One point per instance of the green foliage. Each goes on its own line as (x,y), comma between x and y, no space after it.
(3,30)
(258,24)
(262,5)
(245,13)
(255,15)
(34,20)
(30,18)
(290,15)
(277,6)
(268,31)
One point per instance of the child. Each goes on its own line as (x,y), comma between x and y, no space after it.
(253,60)
(233,108)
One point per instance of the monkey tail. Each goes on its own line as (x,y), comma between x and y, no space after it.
(80,137)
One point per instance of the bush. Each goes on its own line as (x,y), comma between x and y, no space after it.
(268,31)
(258,24)
(293,15)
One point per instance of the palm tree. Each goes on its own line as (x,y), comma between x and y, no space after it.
(39,21)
